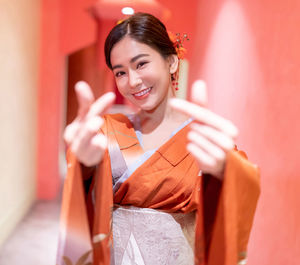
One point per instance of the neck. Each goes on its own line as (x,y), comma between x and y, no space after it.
(162,113)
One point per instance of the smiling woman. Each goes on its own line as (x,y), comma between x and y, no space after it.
(168,176)
(143,59)
(142,74)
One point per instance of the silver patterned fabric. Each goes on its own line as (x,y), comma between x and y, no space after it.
(143,236)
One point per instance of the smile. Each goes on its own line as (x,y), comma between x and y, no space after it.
(142,94)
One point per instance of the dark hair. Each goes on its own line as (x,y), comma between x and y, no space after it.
(143,28)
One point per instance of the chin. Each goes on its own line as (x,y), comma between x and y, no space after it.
(147,105)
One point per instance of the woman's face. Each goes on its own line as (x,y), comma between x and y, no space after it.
(142,75)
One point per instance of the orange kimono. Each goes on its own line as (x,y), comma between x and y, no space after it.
(169,180)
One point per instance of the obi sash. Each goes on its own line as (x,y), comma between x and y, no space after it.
(146,236)
(167,181)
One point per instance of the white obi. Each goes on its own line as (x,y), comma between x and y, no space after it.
(143,236)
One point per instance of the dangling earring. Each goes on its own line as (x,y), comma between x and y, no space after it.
(174,78)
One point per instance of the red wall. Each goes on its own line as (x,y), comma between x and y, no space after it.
(182,19)
(248,53)
(51,79)
(65,27)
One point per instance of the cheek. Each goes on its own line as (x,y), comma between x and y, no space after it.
(162,73)
(165,78)
(153,76)
(121,85)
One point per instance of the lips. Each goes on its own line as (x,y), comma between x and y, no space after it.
(142,94)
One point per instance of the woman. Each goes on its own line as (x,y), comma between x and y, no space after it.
(153,169)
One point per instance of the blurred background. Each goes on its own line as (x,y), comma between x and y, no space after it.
(247,51)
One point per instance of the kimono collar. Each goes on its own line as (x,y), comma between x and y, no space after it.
(174,150)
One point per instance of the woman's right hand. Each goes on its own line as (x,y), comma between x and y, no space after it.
(83,135)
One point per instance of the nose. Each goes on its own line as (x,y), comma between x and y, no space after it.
(134,79)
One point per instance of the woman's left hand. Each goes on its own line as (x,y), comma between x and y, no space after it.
(211,136)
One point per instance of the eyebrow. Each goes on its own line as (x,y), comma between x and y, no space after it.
(132,60)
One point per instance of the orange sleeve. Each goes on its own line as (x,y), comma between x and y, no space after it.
(235,211)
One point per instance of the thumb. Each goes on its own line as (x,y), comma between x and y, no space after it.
(199,93)
(85,97)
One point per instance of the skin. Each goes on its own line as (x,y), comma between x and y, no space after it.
(211,136)
(82,135)
(137,67)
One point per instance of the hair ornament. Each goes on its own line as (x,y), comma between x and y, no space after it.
(178,41)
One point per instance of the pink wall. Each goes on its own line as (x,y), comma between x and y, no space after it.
(248,53)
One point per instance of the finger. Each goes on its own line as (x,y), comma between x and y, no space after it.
(85,97)
(199,93)
(202,142)
(92,155)
(204,115)
(205,160)
(89,129)
(71,131)
(101,104)
(100,141)
(222,140)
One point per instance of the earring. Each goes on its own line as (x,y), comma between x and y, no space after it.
(174,78)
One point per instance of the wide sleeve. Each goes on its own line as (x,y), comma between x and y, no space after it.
(74,231)
(85,223)
(235,208)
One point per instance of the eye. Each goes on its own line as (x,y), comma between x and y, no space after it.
(141,64)
(120,73)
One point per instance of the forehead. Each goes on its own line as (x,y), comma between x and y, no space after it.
(127,48)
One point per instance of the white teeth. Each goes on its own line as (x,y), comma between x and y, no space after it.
(145,91)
